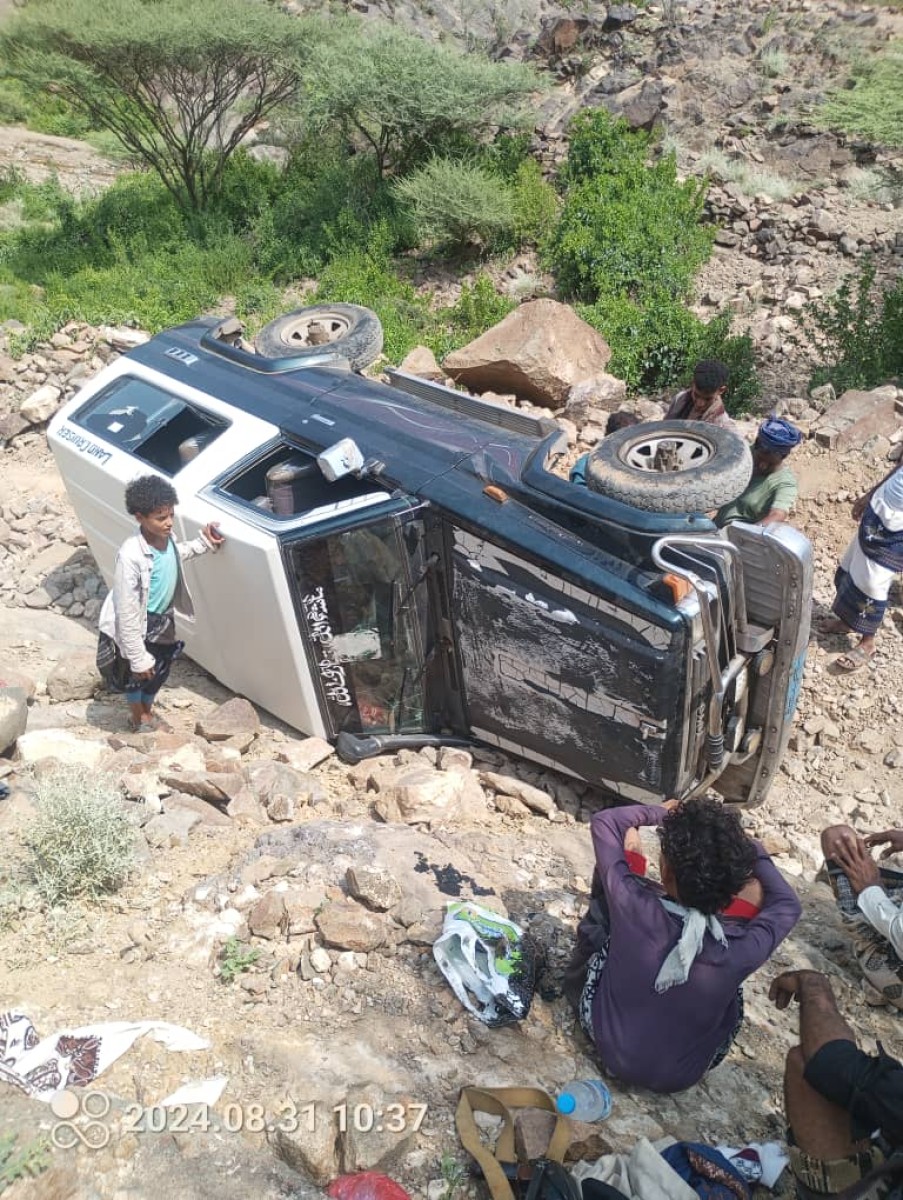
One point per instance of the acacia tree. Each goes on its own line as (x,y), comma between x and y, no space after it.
(180,85)
(406,98)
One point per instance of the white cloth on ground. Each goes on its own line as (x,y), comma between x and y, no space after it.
(772,1159)
(641,1175)
(75,1057)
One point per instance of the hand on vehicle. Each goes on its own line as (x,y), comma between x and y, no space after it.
(212,533)
(789,984)
(857,864)
(892,838)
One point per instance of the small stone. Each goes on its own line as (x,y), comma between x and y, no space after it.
(171,828)
(349,926)
(236,717)
(41,405)
(373,887)
(304,756)
(320,960)
(268,918)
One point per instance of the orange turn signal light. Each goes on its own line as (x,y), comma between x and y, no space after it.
(677,586)
(495,493)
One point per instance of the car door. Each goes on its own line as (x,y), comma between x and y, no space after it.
(362,611)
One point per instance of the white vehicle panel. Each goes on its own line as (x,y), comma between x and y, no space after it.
(249,616)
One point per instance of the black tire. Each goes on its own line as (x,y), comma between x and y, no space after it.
(709,466)
(347,330)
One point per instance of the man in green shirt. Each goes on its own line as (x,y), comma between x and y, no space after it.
(772,491)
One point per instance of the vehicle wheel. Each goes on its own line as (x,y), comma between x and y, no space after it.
(347,329)
(671,466)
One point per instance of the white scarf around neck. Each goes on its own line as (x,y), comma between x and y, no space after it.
(676,967)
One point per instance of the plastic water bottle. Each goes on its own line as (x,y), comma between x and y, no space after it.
(585,1100)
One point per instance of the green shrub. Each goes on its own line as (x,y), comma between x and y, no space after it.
(536,205)
(858,332)
(872,106)
(456,203)
(363,275)
(655,346)
(80,842)
(628,226)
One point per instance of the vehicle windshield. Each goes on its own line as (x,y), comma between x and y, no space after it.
(363,618)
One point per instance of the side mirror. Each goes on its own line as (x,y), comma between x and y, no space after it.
(340,459)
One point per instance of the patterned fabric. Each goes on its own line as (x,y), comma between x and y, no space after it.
(882,545)
(73,1058)
(160,642)
(862,613)
(878,960)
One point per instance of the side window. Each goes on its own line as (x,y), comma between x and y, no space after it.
(287,482)
(159,428)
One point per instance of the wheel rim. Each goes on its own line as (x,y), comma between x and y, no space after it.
(315,329)
(667,452)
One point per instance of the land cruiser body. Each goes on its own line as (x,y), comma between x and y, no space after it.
(402,566)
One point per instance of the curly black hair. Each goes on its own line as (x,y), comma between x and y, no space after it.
(710,376)
(710,855)
(149,492)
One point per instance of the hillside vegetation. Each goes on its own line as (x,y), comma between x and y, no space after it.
(386,156)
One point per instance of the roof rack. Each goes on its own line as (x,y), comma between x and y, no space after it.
(471,406)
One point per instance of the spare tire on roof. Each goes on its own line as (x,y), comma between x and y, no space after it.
(346,330)
(671,466)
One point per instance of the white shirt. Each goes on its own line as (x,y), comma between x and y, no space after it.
(883,915)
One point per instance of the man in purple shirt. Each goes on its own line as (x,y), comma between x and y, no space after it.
(656,976)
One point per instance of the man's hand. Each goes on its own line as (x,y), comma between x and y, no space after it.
(790,984)
(212,534)
(857,864)
(892,838)
(148,674)
(671,804)
(860,506)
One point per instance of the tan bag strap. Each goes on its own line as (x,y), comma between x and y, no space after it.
(499,1102)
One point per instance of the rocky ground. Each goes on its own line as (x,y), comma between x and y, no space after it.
(247,830)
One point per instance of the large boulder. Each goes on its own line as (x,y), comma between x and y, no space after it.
(539,352)
(591,398)
(11,676)
(62,745)
(13,716)
(236,718)
(40,405)
(74,677)
(420,795)
(639,105)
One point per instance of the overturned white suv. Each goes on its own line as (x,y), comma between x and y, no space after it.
(403,567)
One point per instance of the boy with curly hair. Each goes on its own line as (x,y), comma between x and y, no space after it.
(657,972)
(137,643)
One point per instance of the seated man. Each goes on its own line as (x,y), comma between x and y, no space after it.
(657,971)
(771,493)
(703,400)
(616,421)
(870,899)
(835,1097)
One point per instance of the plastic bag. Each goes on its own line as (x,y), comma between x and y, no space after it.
(488,962)
(366,1185)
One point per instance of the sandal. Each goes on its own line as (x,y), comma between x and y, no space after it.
(853,660)
(150,725)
